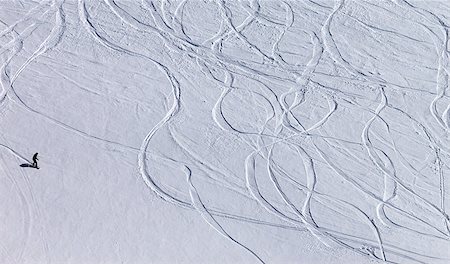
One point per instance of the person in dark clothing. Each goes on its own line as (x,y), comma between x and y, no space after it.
(35,159)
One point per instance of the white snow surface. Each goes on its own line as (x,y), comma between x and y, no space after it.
(249,131)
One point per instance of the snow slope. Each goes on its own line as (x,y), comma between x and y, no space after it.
(249,131)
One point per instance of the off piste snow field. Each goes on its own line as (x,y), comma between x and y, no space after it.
(247,131)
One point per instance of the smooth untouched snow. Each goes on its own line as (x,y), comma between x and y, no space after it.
(249,131)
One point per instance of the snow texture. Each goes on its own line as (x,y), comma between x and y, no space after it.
(248,131)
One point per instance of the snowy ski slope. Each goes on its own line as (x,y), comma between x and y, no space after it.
(213,131)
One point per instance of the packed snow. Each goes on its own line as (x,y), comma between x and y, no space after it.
(247,131)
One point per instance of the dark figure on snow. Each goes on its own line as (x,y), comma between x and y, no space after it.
(35,159)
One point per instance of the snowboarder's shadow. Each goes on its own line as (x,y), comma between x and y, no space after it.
(26,165)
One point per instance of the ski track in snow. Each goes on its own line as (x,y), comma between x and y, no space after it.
(338,113)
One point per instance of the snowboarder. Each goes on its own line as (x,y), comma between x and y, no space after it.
(35,159)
